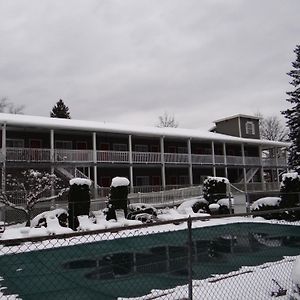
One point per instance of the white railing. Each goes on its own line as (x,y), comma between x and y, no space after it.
(28,154)
(166,198)
(234,160)
(219,159)
(252,161)
(177,158)
(146,157)
(113,156)
(270,162)
(201,159)
(68,155)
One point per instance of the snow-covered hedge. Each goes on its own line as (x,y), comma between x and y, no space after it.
(215,188)
(265,204)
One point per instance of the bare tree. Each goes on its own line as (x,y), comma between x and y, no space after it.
(36,187)
(9,107)
(167,120)
(272,128)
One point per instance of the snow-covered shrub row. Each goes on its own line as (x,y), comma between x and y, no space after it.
(215,188)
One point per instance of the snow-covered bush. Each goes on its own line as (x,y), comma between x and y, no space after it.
(140,211)
(79,200)
(41,219)
(290,189)
(215,188)
(118,197)
(198,205)
(265,204)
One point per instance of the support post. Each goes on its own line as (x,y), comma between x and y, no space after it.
(95,165)
(225,159)
(52,159)
(3,152)
(189,147)
(244,167)
(190,259)
(262,177)
(213,158)
(130,163)
(163,168)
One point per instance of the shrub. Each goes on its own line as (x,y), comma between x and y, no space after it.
(79,200)
(215,188)
(289,190)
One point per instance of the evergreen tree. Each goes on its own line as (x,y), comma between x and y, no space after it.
(293,114)
(60,110)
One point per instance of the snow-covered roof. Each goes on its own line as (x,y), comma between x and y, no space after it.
(237,116)
(28,121)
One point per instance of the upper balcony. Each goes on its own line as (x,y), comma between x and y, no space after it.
(36,155)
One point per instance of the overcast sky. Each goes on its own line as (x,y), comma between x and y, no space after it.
(129,61)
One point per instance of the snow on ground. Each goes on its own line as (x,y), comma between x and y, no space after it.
(255,282)
(296,272)
(267,201)
(226,202)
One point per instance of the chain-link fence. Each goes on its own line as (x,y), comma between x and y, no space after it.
(237,257)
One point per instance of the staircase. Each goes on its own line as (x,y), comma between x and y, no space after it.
(249,175)
(70,173)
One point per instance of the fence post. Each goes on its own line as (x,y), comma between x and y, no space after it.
(190,259)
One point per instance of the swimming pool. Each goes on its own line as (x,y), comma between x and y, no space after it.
(133,266)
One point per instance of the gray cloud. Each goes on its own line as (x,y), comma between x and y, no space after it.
(129,61)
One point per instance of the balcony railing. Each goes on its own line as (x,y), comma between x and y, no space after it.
(66,155)
(28,155)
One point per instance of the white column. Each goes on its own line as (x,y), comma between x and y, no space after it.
(130,163)
(3,152)
(277,166)
(244,167)
(189,147)
(262,177)
(163,169)
(213,157)
(95,164)
(52,159)
(225,159)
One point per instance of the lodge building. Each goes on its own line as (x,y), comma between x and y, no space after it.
(151,158)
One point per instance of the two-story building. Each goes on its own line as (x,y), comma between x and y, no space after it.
(152,158)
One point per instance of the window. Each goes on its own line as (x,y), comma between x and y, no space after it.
(250,128)
(81,145)
(63,144)
(15,143)
(182,150)
(119,147)
(141,148)
(142,180)
(35,143)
